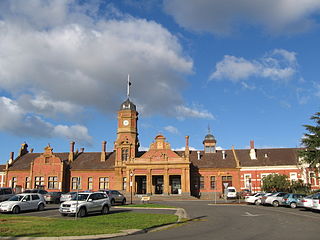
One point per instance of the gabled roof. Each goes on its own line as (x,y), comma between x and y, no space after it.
(269,157)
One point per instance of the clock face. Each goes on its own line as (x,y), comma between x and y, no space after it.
(125,122)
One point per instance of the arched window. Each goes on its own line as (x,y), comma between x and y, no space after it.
(124,154)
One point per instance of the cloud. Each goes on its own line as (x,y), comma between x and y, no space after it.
(171,129)
(280,64)
(61,58)
(16,120)
(184,111)
(221,17)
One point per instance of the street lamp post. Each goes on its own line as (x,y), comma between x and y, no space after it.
(131,183)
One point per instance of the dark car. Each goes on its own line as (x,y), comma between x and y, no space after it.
(40,191)
(53,197)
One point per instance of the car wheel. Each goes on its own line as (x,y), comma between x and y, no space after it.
(41,207)
(257,202)
(16,210)
(124,201)
(293,205)
(105,210)
(275,203)
(112,201)
(82,212)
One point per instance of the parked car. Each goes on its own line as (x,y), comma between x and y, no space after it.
(231,192)
(115,196)
(275,199)
(40,191)
(306,202)
(264,197)
(23,202)
(244,193)
(292,199)
(6,193)
(316,202)
(254,199)
(52,197)
(84,203)
(67,196)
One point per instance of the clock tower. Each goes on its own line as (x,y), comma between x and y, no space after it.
(127,142)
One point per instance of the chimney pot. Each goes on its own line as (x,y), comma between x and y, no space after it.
(199,156)
(252,144)
(82,149)
(223,154)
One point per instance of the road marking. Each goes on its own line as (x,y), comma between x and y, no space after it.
(250,215)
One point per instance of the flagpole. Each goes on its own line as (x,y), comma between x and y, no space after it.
(128,86)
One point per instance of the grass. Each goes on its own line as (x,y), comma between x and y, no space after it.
(24,226)
(148,205)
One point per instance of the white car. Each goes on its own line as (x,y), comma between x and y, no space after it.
(306,202)
(316,202)
(275,199)
(84,203)
(231,192)
(254,199)
(23,202)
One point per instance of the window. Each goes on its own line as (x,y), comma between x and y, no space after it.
(38,182)
(124,183)
(103,183)
(53,183)
(14,182)
(35,197)
(76,183)
(201,182)
(247,181)
(293,176)
(213,182)
(27,184)
(312,178)
(125,154)
(90,183)
(209,149)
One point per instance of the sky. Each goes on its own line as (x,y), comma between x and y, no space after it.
(243,70)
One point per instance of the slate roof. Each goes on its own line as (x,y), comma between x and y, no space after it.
(91,161)
(213,160)
(2,168)
(269,157)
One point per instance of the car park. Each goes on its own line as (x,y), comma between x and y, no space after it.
(275,199)
(67,196)
(52,197)
(6,193)
(254,199)
(115,197)
(85,203)
(292,199)
(23,202)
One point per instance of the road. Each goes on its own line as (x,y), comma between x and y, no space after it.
(239,222)
(236,222)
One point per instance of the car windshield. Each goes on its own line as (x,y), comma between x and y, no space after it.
(16,198)
(80,197)
(231,190)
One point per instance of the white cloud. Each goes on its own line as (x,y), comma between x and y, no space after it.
(280,64)
(171,129)
(63,57)
(184,111)
(20,122)
(221,17)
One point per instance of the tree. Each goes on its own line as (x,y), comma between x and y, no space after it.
(300,187)
(275,183)
(311,143)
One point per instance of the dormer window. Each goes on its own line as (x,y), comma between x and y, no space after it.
(209,149)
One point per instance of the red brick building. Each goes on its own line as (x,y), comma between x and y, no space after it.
(158,171)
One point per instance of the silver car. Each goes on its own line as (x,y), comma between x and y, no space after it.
(115,196)
(306,202)
(23,202)
(67,196)
(274,199)
(84,203)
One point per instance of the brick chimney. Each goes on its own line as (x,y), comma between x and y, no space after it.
(103,152)
(187,151)
(253,154)
(11,158)
(71,153)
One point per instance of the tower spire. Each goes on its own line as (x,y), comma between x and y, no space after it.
(128,86)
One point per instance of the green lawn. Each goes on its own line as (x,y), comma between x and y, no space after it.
(23,226)
(148,205)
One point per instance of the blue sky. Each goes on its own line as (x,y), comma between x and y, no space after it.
(248,69)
